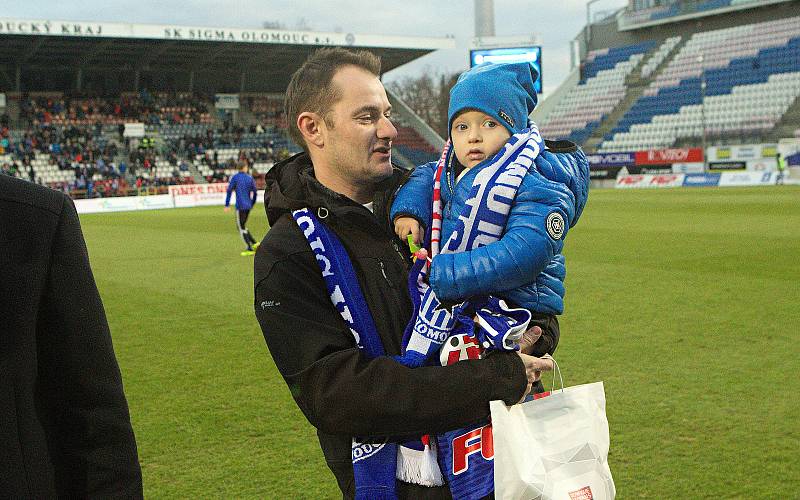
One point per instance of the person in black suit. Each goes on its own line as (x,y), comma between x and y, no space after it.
(65,430)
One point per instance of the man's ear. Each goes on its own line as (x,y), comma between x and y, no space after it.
(311,127)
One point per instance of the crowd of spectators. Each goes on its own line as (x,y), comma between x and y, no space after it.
(70,148)
(268,110)
(84,135)
(153,109)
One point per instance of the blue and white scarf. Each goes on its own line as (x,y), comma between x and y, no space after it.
(464,455)
(374,464)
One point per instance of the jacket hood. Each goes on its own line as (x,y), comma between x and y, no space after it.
(291,185)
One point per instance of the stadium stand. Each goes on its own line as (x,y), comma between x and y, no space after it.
(412,146)
(208,101)
(76,143)
(736,82)
(674,8)
(659,56)
(599,91)
(662,74)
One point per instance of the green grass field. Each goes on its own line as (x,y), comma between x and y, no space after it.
(683,302)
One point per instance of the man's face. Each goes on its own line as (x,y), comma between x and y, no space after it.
(357,132)
(476,136)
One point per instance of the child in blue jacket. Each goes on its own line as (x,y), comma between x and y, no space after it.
(488,104)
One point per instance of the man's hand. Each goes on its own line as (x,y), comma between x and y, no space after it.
(533,370)
(403,226)
(227,209)
(529,338)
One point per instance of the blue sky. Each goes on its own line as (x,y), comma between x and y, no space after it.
(556,23)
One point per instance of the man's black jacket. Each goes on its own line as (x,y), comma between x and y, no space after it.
(340,392)
(64,425)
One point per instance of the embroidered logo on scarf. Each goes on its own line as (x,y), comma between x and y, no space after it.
(365,450)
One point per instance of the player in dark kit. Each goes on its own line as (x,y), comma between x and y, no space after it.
(246,193)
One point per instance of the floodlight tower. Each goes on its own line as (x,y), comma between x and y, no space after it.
(486,47)
(484,18)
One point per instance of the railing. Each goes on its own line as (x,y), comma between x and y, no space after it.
(683,10)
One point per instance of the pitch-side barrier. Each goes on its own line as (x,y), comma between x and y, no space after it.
(182,196)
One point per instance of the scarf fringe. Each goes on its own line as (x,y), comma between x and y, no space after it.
(419,467)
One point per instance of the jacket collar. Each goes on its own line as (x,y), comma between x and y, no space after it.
(291,185)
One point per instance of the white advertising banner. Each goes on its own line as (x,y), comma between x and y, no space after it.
(742,152)
(747,178)
(762,165)
(41,27)
(687,168)
(135,129)
(123,204)
(649,181)
(195,195)
(226,101)
(184,196)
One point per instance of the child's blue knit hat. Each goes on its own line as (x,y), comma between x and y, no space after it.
(502,90)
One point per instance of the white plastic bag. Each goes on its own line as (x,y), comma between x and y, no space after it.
(553,448)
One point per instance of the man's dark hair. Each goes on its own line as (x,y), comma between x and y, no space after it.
(310,88)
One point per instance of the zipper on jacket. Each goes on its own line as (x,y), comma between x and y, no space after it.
(399,253)
(383,272)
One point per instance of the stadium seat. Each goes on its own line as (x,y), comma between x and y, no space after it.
(579,112)
(751,74)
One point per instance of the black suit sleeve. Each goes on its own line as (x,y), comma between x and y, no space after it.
(342,392)
(90,436)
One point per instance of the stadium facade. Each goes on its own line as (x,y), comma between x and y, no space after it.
(706,89)
(109,58)
(105,109)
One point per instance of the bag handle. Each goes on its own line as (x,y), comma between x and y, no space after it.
(557,369)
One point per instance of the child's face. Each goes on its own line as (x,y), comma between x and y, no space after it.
(476,136)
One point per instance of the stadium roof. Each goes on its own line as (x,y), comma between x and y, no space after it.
(47,54)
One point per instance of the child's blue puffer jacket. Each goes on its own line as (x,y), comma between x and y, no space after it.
(525,265)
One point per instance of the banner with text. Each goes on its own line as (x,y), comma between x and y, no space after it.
(687,168)
(604,173)
(724,179)
(646,169)
(649,181)
(195,195)
(701,180)
(669,156)
(742,152)
(603,160)
(226,101)
(52,27)
(747,178)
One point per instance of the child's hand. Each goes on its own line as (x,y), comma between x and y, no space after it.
(403,226)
